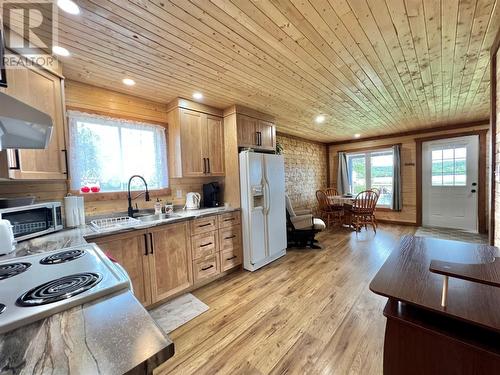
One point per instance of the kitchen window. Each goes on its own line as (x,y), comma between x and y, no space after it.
(104,152)
(372,169)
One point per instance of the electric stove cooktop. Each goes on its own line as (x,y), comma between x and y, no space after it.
(37,286)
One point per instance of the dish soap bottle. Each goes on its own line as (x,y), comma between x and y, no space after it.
(157,207)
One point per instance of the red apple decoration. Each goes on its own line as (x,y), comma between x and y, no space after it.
(95,189)
(85,189)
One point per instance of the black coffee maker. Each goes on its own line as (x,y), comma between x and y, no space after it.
(211,194)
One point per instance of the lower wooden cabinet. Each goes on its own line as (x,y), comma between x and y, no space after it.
(131,251)
(170,263)
(158,260)
(206,267)
(166,260)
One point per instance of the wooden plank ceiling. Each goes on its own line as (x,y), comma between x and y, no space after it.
(370,66)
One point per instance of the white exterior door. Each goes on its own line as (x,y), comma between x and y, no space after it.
(274,166)
(450,183)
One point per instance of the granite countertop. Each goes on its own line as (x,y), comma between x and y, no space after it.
(78,236)
(112,335)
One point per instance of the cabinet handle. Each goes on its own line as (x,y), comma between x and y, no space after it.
(208,162)
(207,244)
(231,219)
(228,238)
(204,165)
(207,268)
(152,243)
(146,244)
(256,138)
(260,139)
(233,257)
(204,225)
(65,160)
(17,165)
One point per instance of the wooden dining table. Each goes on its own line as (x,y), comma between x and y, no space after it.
(341,200)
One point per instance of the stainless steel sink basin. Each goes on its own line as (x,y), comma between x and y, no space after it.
(148,218)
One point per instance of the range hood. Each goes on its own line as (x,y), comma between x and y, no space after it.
(22,126)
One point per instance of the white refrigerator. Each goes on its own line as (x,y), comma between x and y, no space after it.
(262,181)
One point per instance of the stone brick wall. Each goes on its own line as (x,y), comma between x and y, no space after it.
(305,169)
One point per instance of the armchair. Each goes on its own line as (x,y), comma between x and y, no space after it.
(302,227)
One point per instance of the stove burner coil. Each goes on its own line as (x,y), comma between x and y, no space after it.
(62,257)
(12,269)
(59,289)
(2,308)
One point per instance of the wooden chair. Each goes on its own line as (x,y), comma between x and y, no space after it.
(363,210)
(330,192)
(330,213)
(377,191)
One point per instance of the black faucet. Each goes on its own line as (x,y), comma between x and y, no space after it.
(132,211)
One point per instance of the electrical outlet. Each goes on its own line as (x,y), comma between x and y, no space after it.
(178,193)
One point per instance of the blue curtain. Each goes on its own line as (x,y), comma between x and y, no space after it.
(397,198)
(343,174)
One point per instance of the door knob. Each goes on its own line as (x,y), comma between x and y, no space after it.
(473,191)
(474,184)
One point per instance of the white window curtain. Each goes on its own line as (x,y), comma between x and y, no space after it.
(106,151)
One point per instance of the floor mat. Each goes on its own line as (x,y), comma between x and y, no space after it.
(452,234)
(179,311)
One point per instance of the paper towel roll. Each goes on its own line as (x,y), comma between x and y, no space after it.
(71,210)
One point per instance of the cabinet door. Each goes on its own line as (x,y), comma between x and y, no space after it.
(193,138)
(170,263)
(215,146)
(247,131)
(267,135)
(43,91)
(130,250)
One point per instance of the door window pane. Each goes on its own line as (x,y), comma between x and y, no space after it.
(358,174)
(382,166)
(449,166)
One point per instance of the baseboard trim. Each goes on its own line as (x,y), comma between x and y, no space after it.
(396,222)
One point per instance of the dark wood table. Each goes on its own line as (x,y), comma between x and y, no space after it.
(422,337)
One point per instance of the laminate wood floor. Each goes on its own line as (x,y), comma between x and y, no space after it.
(310,312)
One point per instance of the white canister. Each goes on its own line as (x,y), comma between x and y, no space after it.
(6,237)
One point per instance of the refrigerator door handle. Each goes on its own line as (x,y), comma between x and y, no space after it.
(267,198)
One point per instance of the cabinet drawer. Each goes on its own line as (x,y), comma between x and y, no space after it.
(230,238)
(230,259)
(204,244)
(229,219)
(203,225)
(206,267)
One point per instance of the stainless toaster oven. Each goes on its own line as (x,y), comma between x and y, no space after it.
(33,220)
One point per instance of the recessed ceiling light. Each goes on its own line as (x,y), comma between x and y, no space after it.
(198,95)
(68,6)
(357,135)
(319,119)
(128,81)
(61,51)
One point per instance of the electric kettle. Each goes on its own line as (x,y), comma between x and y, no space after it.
(6,237)
(192,201)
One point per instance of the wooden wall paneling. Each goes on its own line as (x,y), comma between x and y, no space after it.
(494,119)
(372,67)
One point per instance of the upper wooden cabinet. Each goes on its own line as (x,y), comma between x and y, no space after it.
(43,91)
(255,129)
(196,140)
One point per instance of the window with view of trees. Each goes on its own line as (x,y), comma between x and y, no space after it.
(105,152)
(449,166)
(373,169)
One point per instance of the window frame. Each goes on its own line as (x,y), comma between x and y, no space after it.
(367,155)
(113,195)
